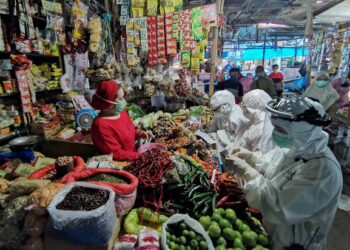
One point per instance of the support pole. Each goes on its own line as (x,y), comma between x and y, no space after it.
(264,51)
(309,35)
(214,48)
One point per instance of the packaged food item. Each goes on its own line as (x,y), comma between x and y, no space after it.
(126,242)
(149,239)
(23,186)
(186,59)
(4,184)
(152,7)
(42,197)
(197,30)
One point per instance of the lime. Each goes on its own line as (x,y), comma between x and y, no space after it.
(221,211)
(249,238)
(188,248)
(173,238)
(181,247)
(229,234)
(221,241)
(182,240)
(182,226)
(168,235)
(194,244)
(205,222)
(244,228)
(192,235)
(199,237)
(216,217)
(263,239)
(185,232)
(220,247)
(203,245)
(214,223)
(214,231)
(258,247)
(238,243)
(237,234)
(230,215)
(224,223)
(172,245)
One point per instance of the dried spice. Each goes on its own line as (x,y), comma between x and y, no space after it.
(84,199)
(106,178)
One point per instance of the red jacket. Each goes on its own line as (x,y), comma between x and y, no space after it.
(277,75)
(115,137)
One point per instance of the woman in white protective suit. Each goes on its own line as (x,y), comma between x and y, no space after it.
(228,118)
(255,135)
(299,190)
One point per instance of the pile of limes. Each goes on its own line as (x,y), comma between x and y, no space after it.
(179,236)
(229,233)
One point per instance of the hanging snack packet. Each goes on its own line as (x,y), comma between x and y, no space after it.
(185,59)
(152,7)
(197,30)
(195,65)
(178,5)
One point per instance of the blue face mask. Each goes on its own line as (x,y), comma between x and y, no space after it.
(280,139)
(321,84)
(119,107)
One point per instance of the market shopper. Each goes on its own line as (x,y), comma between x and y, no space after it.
(263,82)
(322,90)
(256,135)
(233,85)
(113,132)
(277,77)
(299,191)
(228,118)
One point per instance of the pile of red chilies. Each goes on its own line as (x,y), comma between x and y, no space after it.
(150,169)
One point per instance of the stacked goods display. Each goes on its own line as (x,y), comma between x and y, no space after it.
(229,232)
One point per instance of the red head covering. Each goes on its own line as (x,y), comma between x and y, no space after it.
(105,90)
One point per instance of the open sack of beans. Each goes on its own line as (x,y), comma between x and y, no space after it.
(84,213)
(123,183)
(62,166)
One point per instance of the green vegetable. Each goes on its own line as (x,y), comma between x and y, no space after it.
(205,222)
(192,235)
(148,215)
(249,238)
(225,223)
(263,240)
(230,215)
(221,241)
(216,217)
(183,240)
(203,245)
(229,234)
(238,243)
(131,223)
(214,231)
(220,247)
(194,244)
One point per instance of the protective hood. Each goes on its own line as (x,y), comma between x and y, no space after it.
(220,98)
(306,139)
(254,103)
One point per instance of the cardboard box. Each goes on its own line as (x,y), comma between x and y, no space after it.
(47,130)
(54,242)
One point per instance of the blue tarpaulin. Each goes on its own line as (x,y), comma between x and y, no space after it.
(271,53)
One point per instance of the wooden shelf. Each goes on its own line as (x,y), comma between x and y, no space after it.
(8,94)
(32,55)
(48,90)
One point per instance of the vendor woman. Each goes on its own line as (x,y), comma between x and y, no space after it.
(113,132)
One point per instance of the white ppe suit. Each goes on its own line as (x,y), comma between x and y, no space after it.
(228,118)
(256,135)
(299,190)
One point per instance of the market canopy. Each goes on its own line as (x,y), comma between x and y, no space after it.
(271,53)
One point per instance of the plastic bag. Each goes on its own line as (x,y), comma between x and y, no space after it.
(126,242)
(93,227)
(34,225)
(14,211)
(41,198)
(149,239)
(125,194)
(36,243)
(22,186)
(189,222)
(4,184)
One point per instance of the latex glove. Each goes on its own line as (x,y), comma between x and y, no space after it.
(244,154)
(241,167)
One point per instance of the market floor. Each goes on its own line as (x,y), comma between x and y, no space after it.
(338,238)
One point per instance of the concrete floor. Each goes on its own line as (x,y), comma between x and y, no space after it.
(339,237)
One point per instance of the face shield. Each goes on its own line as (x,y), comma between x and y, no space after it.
(298,123)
